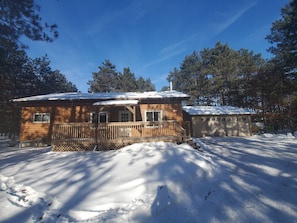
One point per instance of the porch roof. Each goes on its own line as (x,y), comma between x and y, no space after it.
(105,96)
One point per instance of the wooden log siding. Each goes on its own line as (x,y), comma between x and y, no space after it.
(87,136)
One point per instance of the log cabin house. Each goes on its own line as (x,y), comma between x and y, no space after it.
(100,121)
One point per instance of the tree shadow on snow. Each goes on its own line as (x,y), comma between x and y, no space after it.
(260,180)
(67,178)
(180,190)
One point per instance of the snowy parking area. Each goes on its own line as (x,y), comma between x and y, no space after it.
(252,179)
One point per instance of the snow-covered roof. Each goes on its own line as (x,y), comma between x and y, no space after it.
(117,102)
(105,96)
(215,110)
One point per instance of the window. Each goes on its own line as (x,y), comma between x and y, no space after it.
(41,117)
(102,117)
(152,117)
(124,116)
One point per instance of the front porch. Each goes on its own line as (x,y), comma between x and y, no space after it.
(113,135)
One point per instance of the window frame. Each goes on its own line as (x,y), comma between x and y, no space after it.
(106,117)
(95,117)
(43,117)
(125,112)
(154,123)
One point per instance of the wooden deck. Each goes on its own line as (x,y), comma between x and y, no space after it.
(108,136)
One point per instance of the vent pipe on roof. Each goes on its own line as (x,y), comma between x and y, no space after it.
(170,86)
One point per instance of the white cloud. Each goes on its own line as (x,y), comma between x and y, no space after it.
(176,46)
(231,19)
(171,51)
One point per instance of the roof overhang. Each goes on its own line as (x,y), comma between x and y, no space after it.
(101,96)
(116,103)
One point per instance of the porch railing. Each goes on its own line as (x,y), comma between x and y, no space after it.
(88,136)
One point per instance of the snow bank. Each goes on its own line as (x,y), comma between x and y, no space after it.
(233,180)
(145,180)
(22,202)
(271,136)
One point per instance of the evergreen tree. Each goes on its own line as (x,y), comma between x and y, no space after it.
(17,19)
(105,80)
(165,88)
(220,64)
(140,82)
(59,80)
(148,85)
(11,66)
(144,84)
(248,67)
(218,76)
(191,79)
(49,81)
(175,77)
(283,38)
(272,105)
(127,81)
(43,80)
(21,18)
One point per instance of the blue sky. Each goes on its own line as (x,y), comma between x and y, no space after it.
(150,37)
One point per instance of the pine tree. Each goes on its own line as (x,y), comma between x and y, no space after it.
(190,79)
(144,85)
(18,19)
(218,76)
(148,85)
(283,38)
(126,81)
(105,80)
(21,18)
(220,64)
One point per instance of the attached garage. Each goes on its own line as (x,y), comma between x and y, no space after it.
(218,120)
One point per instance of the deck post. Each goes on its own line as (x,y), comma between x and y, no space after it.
(96,126)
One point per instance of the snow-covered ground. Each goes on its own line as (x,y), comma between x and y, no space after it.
(250,179)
